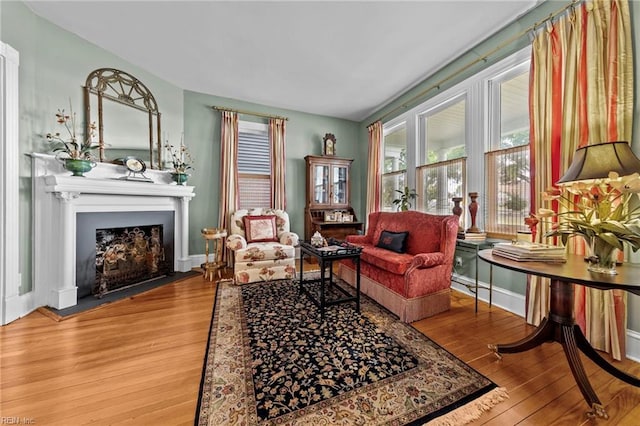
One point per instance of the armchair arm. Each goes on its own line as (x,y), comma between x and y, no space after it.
(427,260)
(357,239)
(289,238)
(236,242)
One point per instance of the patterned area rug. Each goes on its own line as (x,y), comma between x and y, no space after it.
(271,361)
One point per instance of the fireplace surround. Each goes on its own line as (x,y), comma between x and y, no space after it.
(58,198)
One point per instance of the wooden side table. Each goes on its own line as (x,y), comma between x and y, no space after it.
(216,236)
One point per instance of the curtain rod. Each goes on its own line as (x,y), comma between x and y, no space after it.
(482,58)
(257,114)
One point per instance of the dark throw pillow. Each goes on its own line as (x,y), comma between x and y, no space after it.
(394,241)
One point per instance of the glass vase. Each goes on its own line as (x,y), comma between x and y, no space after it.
(602,257)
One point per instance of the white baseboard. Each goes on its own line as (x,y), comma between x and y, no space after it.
(515,303)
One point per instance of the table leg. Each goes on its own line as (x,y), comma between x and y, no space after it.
(322,295)
(477,280)
(587,349)
(490,284)
(580,376)
(357,260)
(301,270)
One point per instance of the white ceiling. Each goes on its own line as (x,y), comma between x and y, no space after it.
(342,59)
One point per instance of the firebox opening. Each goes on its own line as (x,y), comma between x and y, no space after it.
(117,250)
(127,256)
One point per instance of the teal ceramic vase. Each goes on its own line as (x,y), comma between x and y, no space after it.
(180,178)
(78,167)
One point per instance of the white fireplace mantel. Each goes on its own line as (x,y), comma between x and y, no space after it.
(58,197)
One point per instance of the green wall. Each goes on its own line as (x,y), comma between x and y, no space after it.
(54,65)
(303,137)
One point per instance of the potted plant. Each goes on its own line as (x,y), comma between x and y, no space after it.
(181,160)
(406,197)
(76,157)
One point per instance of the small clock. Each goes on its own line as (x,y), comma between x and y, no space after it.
(135,165)
(136,168)
(329,144)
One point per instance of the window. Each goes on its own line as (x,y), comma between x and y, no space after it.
(394,170)
(507,161)
(254,165)
(443,138)
(472,137)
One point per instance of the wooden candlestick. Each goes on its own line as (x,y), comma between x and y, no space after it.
(473,211)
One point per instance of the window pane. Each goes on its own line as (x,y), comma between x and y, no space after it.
(254,191)
(438,183)
(444,135)
(254,165)
(514,111)
(390,183)
(508,201)
(395,149)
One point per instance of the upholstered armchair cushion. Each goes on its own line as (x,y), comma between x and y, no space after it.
(261,260)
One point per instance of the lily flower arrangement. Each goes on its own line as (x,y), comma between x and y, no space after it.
(69,145)
(605,213)
(180,158)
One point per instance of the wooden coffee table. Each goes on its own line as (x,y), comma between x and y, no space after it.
(325,257)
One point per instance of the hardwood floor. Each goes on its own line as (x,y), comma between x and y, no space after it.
(139,360)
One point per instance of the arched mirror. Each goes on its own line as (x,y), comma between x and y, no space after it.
(126,115)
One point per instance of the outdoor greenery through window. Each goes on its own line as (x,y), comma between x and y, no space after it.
(254,165)
(472,137)
(507,164)
(395,165)
(442,175)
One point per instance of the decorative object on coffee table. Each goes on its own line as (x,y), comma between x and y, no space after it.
(473,211)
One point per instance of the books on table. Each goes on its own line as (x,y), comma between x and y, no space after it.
(523,251)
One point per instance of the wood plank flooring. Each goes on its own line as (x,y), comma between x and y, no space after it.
(139,360)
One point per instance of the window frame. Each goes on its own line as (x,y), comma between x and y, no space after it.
(480,125)
(258,127)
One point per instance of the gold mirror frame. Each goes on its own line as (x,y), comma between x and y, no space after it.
(123,88)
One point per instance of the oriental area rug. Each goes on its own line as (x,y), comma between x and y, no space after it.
(271,361)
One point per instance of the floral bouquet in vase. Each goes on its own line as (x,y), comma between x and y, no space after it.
(181,161)
(605,213)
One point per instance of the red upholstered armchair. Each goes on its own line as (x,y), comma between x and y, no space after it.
(417,283)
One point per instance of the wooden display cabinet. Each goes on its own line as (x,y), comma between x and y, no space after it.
(328,182)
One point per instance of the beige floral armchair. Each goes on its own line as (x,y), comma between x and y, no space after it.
(263,247)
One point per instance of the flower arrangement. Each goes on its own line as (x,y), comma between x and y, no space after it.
(70,146)
(601,212)
(180,158)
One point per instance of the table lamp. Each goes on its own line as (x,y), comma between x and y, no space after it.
(592,162)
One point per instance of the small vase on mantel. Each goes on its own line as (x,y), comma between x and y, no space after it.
(180,178)
(78,167)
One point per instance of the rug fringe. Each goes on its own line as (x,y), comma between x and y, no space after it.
(471,411)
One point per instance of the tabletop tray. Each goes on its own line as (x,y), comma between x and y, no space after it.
(333,248)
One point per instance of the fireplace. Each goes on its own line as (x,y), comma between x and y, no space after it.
(67,210)
(117,250)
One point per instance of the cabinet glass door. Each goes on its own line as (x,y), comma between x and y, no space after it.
(321,184)
(339,189)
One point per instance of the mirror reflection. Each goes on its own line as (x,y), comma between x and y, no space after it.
(126,115)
